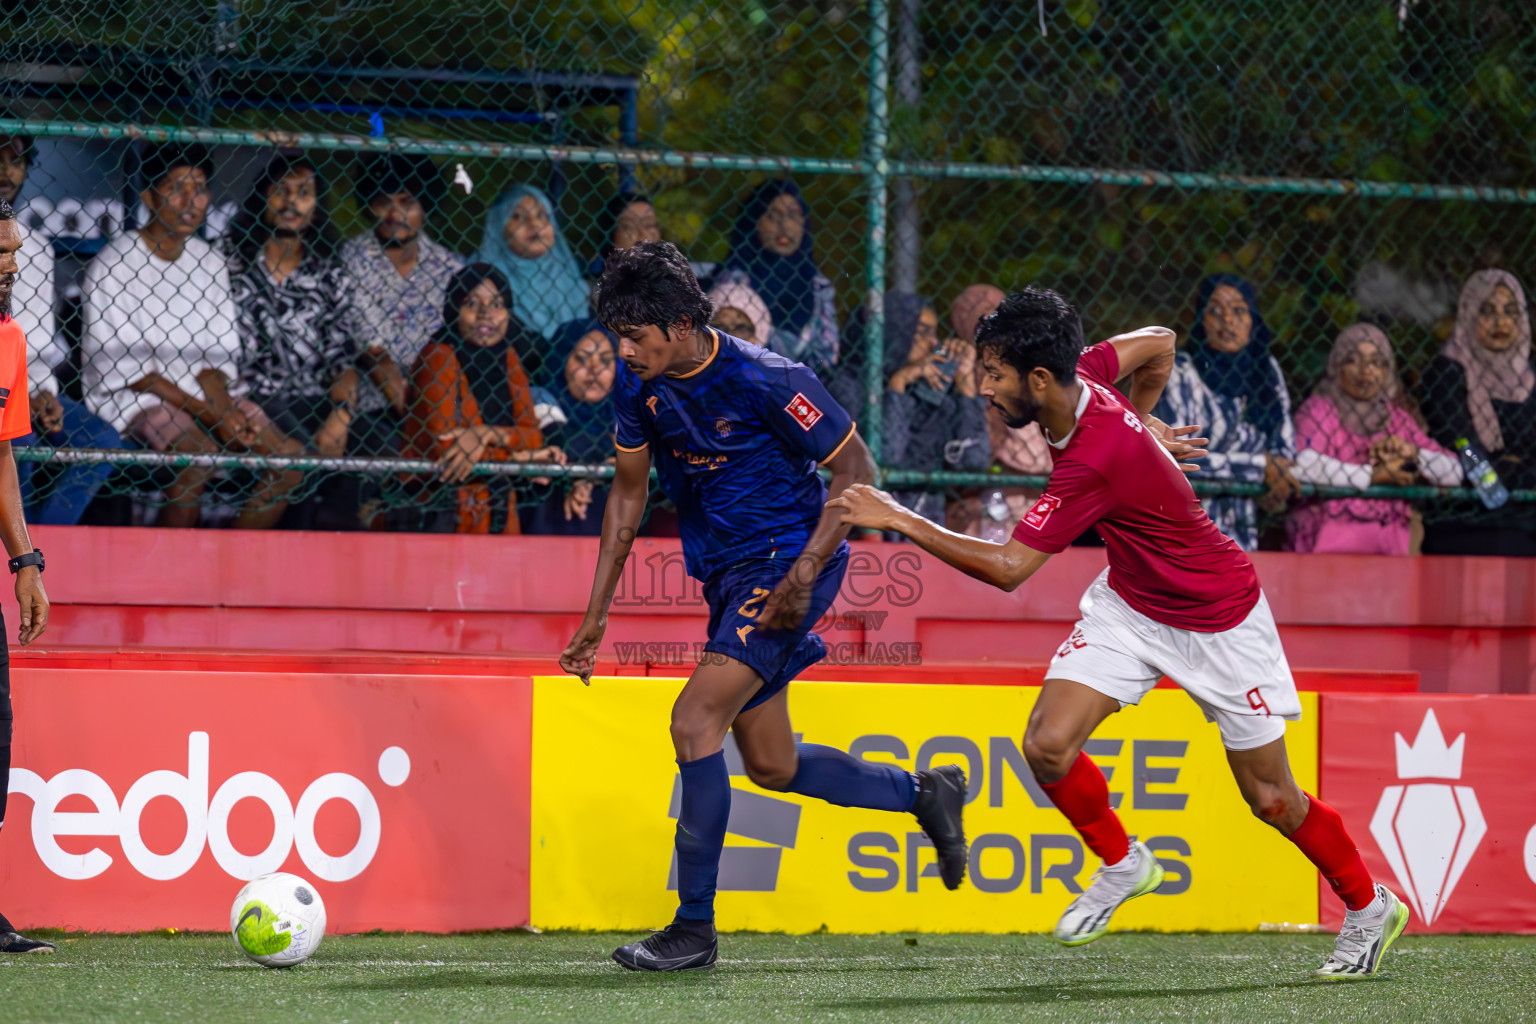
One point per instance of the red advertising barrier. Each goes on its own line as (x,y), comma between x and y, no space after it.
(1463,625)
(143,795)
(1440,794)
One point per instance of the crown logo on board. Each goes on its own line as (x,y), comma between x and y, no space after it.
(1430,757)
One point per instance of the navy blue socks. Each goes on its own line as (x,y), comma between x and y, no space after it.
(706,807)
(824,772)
(838,778)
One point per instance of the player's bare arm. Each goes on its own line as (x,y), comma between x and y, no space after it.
(1004,566)
(1146,356)
(31,598)
(787,605)
(626,506)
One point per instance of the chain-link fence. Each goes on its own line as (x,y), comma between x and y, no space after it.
(328,265)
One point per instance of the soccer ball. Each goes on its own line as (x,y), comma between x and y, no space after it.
(278,920)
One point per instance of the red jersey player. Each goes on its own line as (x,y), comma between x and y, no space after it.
(1178,598)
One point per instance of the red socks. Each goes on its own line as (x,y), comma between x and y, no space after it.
(1083,796)
(1322,838)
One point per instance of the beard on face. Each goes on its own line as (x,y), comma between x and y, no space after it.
(394,237)
(1025,414)
(7,283)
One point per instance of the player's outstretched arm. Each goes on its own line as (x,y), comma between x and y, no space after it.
(1005,566)
(626,506)
(786,606)
(1146,356)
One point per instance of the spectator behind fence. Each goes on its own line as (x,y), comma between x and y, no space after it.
(160,332)
(1482,389)
(523,241)
(771,252)
(740,312)
(578,379)
(470,400)
(1020,450)
(293,304)
(627,218)
(34,296)
(1354,431)
(933,417)
(1226,381)
(400,275)
(57,420)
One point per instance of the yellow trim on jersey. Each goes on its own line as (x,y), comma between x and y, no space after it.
(841,444)
(714,336)
(621,448)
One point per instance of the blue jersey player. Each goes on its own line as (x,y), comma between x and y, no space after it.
(736,434)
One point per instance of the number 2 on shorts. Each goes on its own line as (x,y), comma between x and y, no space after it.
(753,604)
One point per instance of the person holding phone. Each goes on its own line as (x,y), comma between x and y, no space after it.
(934,419)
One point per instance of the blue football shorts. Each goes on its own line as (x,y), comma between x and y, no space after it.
(736,594)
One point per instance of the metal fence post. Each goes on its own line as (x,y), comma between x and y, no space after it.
(876,142)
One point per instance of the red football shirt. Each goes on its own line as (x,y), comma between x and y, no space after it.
(1166,557)
(15,406)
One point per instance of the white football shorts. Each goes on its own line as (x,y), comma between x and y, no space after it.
(1239,677)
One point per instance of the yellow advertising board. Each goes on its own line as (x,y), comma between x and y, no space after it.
(605,800)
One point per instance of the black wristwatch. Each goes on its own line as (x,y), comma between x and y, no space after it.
(20,562)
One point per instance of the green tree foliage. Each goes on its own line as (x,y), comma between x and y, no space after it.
(1238,87)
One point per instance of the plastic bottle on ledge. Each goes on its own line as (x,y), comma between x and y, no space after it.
(1480,473)
(994,518)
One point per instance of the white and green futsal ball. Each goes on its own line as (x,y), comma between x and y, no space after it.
(278,920)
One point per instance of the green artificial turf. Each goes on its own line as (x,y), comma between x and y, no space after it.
(763,978)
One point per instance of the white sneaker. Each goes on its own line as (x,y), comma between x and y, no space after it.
(1088,916)
(1364,939)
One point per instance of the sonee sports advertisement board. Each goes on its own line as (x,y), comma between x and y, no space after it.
(606,795)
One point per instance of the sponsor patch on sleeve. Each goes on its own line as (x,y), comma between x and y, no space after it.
(803,410)
(1041,511)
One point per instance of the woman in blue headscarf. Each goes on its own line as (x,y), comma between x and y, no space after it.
(574,398)
(771,253)
(1227,381)
(523,241)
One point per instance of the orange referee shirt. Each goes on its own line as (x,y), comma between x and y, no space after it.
(15,407)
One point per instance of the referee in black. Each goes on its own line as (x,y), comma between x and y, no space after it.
(26,562)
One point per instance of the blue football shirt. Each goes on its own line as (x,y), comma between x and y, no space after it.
(735,443)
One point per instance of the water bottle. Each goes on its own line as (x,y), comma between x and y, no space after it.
(1480,473)
(994,518)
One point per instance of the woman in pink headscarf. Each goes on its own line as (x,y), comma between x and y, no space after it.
(1356,430)
(1482,389)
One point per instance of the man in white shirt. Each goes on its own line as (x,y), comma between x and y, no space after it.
(160,349)
(61,422)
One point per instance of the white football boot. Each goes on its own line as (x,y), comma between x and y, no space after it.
(1088,916)
(1365,938)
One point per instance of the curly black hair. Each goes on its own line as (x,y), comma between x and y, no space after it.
(26,147)
(158,161)
(249,231)
(1034,327)
(386,174)
(650,283)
